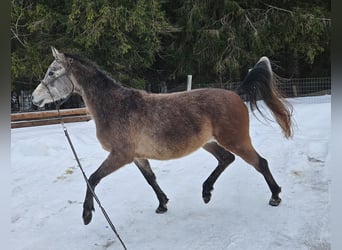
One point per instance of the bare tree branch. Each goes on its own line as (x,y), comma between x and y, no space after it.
(15,29)
(18,38)
(278,8)
(251,24)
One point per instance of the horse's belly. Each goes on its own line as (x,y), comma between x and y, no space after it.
(162,150)
(165,154)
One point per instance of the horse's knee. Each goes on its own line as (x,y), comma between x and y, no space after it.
(94,179)
(227,158)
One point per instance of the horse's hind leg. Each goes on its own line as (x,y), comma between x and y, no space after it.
(246,151)
(275,189)
(145,168)
(232,132)
(224,158)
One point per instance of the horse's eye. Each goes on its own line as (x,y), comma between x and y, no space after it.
(51,73)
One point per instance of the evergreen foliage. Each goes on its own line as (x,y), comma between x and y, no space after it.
(150,41)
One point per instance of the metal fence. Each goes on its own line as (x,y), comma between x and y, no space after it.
(22,102)
(300,87)
(295,87)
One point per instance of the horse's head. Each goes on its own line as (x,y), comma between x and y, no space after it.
(57,84)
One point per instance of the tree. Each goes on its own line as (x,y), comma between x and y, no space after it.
(218,40)
(35,26)
(121,36)
(151,41)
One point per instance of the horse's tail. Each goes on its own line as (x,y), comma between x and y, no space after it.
(260,84)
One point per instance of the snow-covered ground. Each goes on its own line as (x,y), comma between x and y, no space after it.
(48,191)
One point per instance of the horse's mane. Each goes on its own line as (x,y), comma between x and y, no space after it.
(88,63)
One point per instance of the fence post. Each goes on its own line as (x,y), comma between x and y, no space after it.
(294,88)
(189,83)
(21,101)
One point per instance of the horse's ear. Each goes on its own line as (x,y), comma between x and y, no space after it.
(58,56)
(54,52)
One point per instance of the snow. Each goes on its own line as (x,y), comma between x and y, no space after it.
(48,191)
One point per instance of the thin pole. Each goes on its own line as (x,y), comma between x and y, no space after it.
(189,83)
(90,187)
(83,173)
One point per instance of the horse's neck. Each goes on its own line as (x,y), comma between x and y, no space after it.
(91,83)
(102,95)
(103,102)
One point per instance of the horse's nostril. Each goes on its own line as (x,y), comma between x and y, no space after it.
(33,100)
(37,103)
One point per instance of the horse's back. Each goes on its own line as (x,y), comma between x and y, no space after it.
(196,100)
(174,125)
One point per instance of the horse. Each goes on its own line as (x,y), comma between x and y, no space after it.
(134,126)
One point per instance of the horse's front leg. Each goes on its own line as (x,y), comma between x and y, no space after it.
(113,162)
(145,168)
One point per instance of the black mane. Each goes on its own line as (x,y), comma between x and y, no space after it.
(91,64)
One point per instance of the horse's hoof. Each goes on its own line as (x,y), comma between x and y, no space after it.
(161,209)
(274,201)
(87,216)
(206,197)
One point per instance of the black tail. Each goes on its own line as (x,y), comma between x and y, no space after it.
(260,84)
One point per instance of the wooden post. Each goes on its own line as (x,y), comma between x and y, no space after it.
(21,105)
(189,83)
(294,88)
(19,120)
(48,114)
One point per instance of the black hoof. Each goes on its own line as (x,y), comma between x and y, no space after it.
(87,215)
(206,191)
(206,198)
(274,201)
(161,209)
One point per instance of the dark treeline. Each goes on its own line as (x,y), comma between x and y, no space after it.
(148,42)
